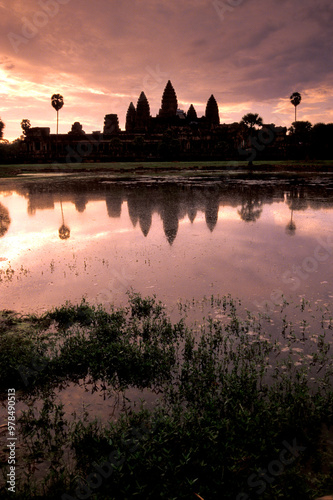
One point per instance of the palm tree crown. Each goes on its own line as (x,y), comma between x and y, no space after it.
(252,119)
(57,102)
(295,99)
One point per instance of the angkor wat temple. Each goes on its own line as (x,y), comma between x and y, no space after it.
(171,135)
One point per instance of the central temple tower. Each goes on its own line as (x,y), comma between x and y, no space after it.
(169,102)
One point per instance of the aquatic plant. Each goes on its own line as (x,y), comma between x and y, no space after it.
(245,409)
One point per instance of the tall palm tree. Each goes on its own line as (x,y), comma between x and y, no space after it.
(57,102)
(250,120)
(295,99)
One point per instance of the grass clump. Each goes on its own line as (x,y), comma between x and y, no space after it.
(245,411)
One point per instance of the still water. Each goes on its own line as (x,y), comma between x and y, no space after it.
(64,238)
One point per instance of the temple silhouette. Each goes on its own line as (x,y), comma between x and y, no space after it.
(173,134)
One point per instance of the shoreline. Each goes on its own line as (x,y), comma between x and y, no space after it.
(139,168)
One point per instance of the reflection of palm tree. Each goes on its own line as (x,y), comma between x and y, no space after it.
(291,226)
(64,231)
(4,220)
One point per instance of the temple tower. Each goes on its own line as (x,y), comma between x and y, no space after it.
(142,112)
(191,114)
(212,111)
(169,102)
(111,124)
(130,118)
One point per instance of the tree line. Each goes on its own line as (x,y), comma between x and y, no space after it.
(303,141)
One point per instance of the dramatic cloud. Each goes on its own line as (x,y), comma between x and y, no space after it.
(251,54)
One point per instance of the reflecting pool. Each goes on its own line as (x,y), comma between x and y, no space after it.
(64,238)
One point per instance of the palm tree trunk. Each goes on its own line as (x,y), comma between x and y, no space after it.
(58,119)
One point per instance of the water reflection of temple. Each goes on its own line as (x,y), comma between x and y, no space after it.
(175,201)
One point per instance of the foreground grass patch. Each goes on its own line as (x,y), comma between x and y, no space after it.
(243,413)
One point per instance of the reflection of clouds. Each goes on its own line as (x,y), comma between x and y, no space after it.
(187,268)
(20,245)
(309,224)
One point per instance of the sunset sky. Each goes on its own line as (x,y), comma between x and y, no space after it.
(251,54)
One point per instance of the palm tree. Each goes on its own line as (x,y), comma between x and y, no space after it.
(295,99)
(57,102)
(252,119)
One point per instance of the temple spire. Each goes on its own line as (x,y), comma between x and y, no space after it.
(212,111)
(169,102)
(192,114)
(130,118)
(142,112)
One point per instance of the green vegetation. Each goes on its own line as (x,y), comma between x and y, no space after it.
(241,413)
(153,168)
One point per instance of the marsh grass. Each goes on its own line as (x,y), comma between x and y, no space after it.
(154,167)
(232,394)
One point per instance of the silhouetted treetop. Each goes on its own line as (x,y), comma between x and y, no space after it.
(212,111)
(300,131)
(169,102)
(2,126)
(57,101)
(25,125)
(4,220)
(295,99)
(252,119)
